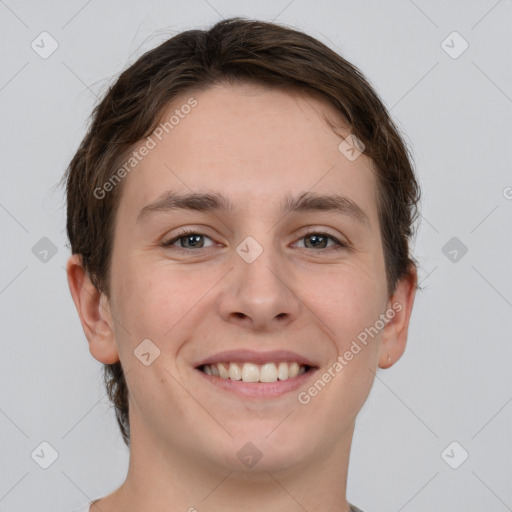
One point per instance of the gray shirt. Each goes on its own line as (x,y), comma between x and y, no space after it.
(86,507)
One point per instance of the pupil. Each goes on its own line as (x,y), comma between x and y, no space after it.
(316,237)
(316,240)
(191,239)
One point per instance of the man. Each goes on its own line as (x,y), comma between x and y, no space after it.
(239,215)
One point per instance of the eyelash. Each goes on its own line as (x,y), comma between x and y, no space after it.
(188,232)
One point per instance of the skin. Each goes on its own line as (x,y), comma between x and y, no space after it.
(252,144)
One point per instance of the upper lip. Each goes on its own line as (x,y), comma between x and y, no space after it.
(251,356)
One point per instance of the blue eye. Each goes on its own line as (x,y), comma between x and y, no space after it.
(190,240)
(319,240)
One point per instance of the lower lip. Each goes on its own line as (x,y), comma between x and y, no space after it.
(260,389)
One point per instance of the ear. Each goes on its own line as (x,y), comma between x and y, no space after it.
(394,334)
(94,312)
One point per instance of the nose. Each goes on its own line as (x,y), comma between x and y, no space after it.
(259,295)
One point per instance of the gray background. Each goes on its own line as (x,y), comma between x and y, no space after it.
(454,381)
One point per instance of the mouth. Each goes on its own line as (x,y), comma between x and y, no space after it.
(252,372)
(257,375)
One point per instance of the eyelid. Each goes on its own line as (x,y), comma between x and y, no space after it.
(336,234)
(340,242)
(183,233)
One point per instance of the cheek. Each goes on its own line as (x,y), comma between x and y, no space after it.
(150,301)
(349,308)
(346,299)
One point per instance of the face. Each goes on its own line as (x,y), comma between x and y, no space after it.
(272,273)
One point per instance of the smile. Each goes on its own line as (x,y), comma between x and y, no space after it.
(252,372)
(249,382)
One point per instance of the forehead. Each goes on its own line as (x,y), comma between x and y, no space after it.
(253,144)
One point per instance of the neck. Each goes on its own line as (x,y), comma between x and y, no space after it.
(166,479)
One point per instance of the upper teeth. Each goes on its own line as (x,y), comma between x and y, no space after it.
(250,372)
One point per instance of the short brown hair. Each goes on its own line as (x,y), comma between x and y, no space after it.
(233,50)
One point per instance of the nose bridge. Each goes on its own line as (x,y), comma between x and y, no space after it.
(258,270)
(259,292)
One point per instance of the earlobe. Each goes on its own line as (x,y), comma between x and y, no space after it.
(400,305)
(94,312)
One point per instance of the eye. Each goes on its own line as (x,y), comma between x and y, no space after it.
(189,240)
(320,240)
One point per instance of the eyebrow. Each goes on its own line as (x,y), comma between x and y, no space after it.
(214,201)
